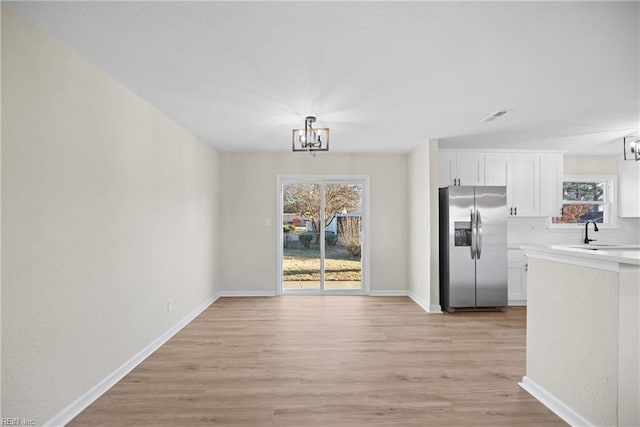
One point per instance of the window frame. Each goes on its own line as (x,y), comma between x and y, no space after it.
(610,202)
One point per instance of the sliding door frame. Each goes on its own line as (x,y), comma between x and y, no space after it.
(364,180)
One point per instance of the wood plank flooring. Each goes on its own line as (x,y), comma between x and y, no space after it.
(330,360)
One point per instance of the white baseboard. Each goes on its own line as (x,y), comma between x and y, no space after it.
(554,404)
(517,303)
(435,309)
(426,307)
(80,404)
(429,308)
(389,293)
(246,294)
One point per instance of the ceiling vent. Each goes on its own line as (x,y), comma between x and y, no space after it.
(496,115)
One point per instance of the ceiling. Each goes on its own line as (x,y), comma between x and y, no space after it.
(384,76)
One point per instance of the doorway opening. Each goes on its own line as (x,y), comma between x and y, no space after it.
(323,244)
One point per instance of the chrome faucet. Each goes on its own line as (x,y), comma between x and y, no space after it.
(586,232)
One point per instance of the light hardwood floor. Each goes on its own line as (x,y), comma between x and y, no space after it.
(330,360)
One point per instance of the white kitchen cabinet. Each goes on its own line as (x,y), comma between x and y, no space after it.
(517,277)
(551,184)
(446,169)
(460,168)
(533,179)
(628,188)
(470,169)
(496,168)
(523,184)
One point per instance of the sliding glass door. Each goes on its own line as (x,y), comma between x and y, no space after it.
(322,244)
(301,260)
(343,243)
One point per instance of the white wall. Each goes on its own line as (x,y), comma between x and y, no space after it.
(248,192)
(590,165)
(434,232)
(420,225)
(534,231)
(108,209)
(419,248)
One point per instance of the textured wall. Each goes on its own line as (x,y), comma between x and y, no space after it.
(572,336)
(108,209)
(629,347)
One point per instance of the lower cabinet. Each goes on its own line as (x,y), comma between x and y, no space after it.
(517,277)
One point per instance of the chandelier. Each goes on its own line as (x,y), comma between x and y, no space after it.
(631,147)
(310,138)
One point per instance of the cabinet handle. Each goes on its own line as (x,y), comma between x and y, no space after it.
(515,211)
(511,211)
(526,267)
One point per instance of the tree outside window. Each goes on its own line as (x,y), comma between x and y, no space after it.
(585,199)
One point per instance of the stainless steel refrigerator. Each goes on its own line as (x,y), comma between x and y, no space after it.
(473,248)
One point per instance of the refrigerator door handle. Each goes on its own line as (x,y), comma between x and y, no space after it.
(479,238)
(474,236)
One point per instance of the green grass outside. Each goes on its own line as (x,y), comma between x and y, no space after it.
(304,265)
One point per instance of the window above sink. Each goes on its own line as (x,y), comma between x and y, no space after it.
(586,198)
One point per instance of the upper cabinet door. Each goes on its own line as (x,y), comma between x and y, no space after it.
(495,168)
(533,179)
(551,184)
(470,169)
(446,169)
(523,189)
(460,168)
(628,184)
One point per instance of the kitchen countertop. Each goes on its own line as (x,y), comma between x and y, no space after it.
(623,254)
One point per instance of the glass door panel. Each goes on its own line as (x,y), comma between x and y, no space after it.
(343,233)
(301,252)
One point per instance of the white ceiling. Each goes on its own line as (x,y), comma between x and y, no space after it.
(384,76)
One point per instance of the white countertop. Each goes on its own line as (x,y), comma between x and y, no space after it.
(623,254)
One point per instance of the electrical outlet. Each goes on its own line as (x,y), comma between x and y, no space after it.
(169,305)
